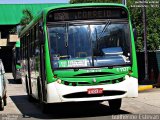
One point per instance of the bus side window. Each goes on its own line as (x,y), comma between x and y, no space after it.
(25,47)
(29,44)
(36,42)
(37,51)
(33,36)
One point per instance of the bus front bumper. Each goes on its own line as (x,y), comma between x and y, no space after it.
(61,93)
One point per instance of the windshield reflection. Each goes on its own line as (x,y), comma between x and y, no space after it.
(89,45)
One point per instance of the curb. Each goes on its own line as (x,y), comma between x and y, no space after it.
(145,87)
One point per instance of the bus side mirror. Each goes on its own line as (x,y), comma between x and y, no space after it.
(135,34)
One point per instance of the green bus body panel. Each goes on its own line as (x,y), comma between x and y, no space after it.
(90,80)
(44,12)
(49,73)
(134,56)
(12,13)
(71,74)
(105,72)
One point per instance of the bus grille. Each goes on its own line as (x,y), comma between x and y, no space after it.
(86,95)
(88,84)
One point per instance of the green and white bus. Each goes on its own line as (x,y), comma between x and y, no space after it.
(16,62)
(80,52)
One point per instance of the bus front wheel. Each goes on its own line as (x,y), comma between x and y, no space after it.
(5,99)
(30,98)
(45,108)
(115,104)
(39,86)
(1,105)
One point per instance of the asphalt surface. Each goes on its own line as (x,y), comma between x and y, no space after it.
(19,107)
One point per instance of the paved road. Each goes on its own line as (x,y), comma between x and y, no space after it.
(148,102)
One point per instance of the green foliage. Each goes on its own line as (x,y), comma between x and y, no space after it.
(152,22)
(137,22)
(26,19)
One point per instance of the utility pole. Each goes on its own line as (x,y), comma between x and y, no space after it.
(145,41)
(124,2)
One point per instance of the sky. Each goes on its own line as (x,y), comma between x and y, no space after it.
(32,1)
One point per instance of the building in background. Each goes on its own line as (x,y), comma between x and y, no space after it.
(11,15)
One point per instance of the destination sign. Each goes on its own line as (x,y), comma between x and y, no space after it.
(86,13)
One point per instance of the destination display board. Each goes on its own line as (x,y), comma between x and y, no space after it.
(86,14)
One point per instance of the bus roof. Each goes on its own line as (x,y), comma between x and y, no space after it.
(46,10)
(83,5)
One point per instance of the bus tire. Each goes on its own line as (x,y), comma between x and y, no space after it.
(30,98)
(115,104)
(19,81)
(27,86)
(39,90)
(5,99)
(45,108)
(1,105)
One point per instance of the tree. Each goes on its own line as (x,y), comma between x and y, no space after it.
(153,24)
(26,19)
(137,22)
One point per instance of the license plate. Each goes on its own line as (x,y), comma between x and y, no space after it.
(95,91)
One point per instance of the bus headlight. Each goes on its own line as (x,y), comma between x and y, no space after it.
(59,81)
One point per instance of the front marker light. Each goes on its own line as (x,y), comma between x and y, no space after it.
(130,72)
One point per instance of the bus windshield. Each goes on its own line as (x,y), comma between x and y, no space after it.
(91,44)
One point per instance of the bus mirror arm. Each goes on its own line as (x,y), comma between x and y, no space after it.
(135,34)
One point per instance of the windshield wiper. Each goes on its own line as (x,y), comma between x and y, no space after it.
(104,29)
(66,39)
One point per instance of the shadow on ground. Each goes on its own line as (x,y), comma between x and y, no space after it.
(63,111)
(12,81)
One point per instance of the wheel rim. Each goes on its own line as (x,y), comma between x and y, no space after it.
(2,104)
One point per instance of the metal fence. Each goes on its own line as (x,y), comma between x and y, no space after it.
(153,66)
